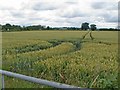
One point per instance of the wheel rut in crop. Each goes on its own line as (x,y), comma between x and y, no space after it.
(78,42)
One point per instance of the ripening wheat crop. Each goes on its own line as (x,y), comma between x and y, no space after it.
(61,56)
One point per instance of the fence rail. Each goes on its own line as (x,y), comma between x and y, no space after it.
(36,80)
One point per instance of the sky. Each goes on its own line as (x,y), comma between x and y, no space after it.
(60,13)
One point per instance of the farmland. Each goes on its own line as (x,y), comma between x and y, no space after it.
(61,56)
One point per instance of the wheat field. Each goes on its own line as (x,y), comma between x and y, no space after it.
(61,56)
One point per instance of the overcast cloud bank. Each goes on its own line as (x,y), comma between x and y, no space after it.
(59,13)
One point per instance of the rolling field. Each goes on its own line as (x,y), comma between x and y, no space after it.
(62,56)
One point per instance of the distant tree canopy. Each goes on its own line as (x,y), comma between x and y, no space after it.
(9,27)
(93,27)
(85,26)
(108,29)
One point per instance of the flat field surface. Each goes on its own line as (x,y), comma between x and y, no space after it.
(62,56)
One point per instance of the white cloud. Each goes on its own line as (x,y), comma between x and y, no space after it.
(59,12)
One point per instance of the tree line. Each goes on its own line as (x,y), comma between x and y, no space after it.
(84,26)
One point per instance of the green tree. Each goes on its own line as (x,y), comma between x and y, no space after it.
(6,27)
(48,28)
(93,27)
(85,26)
